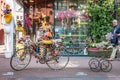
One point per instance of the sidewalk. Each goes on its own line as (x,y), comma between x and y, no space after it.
(77,69)
(1,49)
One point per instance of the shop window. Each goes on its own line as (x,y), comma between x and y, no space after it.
(21,17)
(70,21)
(61,5)
(17,17)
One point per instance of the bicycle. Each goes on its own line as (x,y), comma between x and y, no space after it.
(49,54)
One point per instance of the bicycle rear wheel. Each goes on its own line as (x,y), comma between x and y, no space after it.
(20,59)
(58,61)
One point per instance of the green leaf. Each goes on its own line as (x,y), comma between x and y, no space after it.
(100,21)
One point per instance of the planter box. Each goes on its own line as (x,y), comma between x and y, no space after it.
(95,52)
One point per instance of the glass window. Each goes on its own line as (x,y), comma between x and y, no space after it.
(21,17)
(70,21)
(17,17)
(61,5)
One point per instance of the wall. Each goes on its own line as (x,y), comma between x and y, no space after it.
(19,15)
(2,3)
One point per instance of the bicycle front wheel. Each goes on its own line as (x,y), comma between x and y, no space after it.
(20,59)
(58,60)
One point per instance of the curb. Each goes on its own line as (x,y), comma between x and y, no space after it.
(1,53)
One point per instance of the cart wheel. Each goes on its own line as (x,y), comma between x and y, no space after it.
(106,66)
(102,59)
(94,65)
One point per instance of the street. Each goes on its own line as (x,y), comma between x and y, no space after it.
(77,69)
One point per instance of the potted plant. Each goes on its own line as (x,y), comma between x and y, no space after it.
(100,23)
(99,49)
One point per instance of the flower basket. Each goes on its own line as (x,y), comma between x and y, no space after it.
(95,52)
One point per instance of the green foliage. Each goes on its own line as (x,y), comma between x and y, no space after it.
(101,17)
(118,11)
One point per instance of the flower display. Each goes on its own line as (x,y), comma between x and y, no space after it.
(27,21)
(7,14)
(103,45)
(65,14)
(108,36)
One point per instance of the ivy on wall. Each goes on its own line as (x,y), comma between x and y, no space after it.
(101,16)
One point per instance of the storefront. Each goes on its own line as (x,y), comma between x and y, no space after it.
(67,18)
(71,22)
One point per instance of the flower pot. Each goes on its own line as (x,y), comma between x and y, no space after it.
(95,52)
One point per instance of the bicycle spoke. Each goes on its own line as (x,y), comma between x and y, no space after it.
(18,61)
(58,61)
